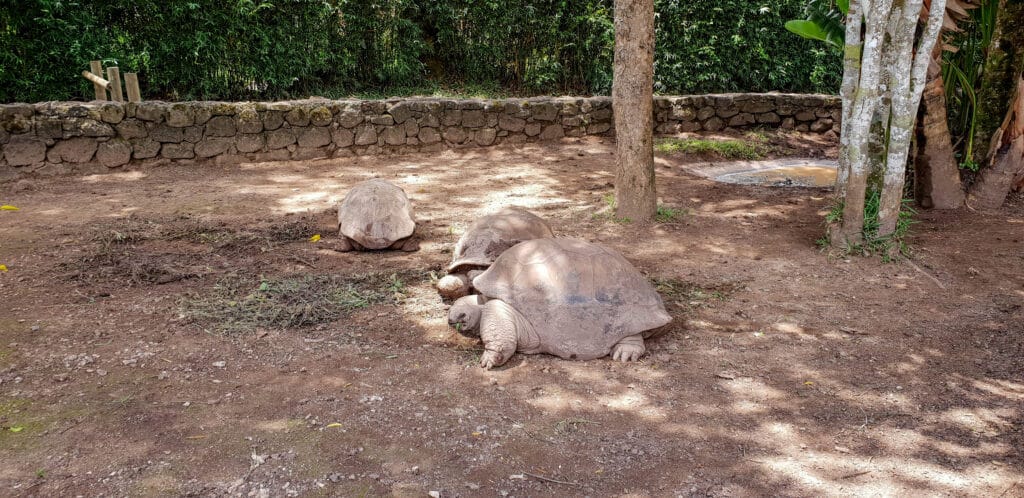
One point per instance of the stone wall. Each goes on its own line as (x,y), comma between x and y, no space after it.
(65,137)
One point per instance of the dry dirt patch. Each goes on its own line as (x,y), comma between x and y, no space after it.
(785,372)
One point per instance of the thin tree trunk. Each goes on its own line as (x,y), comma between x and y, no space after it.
(852,51)
(866,100)
(632,88)
(937,178)
(906,88)
(1006,158)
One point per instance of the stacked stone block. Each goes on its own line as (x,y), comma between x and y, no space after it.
(61,137)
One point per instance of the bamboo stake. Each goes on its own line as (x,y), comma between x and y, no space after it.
(100,90)
(101,84)
(114,75)
(131,84)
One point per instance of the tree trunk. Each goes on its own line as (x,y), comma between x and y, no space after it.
(1007,158)
(851,74)
(1003,65)
(1002,82)
(856,154)
(937,178)
(632,99)
(909,73)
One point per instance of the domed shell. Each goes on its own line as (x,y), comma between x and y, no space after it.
(580,297)
(493,234)
(376,213)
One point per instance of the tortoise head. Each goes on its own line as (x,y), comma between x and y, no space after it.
(464,315)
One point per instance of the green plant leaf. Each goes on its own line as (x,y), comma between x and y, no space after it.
(844,6)
(807,29)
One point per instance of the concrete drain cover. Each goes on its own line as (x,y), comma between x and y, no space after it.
(772,173)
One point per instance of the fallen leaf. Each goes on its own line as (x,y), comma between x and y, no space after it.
(808,383)
(477,434)
(3,267)
(196,437)
(314,239)
(333,424)
(725,375)
(8,207)
(16,428)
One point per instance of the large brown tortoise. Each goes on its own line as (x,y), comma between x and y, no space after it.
(567,297)
(484,241)
(376,214)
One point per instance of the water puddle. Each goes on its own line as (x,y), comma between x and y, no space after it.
(786,176)
(791,172)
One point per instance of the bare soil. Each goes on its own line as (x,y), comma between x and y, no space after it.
(787,371)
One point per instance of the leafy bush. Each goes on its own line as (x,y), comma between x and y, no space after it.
(267,49)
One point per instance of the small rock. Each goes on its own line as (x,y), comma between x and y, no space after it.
(472,486)
(35,328)
(101,372)
(163,375)
(220,364)
(415,470)
(60,377)
(434,494)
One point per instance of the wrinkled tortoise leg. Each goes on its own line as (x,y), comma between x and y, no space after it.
(630,348)
(498,333)
(408,244)
(453,286)
(344,244)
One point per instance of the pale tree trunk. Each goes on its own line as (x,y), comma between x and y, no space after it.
(866,99)
(1006,158)
(937,178)
(632,100)
(851,74)
(905,88)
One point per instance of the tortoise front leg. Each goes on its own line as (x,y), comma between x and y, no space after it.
(498,332)
(630,348)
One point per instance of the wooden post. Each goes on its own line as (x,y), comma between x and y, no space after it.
(131,84)
(114,75)
(97,69)
(97,81)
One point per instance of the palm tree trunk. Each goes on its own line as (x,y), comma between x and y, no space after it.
(937,178)
(1003,82)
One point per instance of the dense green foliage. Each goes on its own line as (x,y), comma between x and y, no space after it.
(962,75)
(253,49)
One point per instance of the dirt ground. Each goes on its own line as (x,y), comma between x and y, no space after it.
(786,371)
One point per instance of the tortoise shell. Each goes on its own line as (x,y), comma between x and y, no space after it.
(493,234)
(376,213)
(581,298)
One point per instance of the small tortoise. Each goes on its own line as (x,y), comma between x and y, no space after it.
(484,241)
(376,214)
(566,297)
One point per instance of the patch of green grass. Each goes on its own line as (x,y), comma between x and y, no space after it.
(668,214)
(608,212)
(238,303)
(664,214)
(888,246)
(754,146)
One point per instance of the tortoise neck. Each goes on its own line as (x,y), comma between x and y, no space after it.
(526,335)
